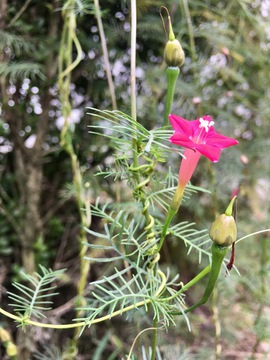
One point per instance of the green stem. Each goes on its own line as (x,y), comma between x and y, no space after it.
(133,81)
(133,59)
(27,321)
(154,339)
(149,221)
(66,66)
(105,54)
(174,206)
(192,282)
(155,322)
(190,31)
(19,13)
(166,225)
(249,235)
(172,75)
(218,254)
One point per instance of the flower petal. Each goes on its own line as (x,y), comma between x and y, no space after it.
(220,141)
(194,124)
(181,125)
(181,140)
(197,135)
(209,151)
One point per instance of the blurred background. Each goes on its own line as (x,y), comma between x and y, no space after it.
(225,75)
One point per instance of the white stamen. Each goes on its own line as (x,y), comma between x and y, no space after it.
(206,124)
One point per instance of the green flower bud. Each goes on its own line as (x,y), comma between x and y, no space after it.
(223,231)
(173,53)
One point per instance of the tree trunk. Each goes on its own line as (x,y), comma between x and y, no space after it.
(29,175)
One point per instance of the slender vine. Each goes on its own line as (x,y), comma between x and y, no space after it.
(66,66)
(105,54)
(140,194)
(147,168)
(24,320)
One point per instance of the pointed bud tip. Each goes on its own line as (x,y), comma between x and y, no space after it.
(171,33)
(229,210)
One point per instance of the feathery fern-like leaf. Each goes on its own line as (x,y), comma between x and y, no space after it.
(49,353)
(121,129)
(192,238)
(15,43)
(35,298)
(21,70)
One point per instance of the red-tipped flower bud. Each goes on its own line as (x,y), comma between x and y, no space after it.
(223,231)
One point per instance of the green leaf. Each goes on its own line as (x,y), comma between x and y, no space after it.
(21,70)
(35,297)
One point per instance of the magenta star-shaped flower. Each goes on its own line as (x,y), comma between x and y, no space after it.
(199,135)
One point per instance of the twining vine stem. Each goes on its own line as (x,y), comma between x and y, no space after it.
(27,321)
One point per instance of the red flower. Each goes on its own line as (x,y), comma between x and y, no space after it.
(199,138)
